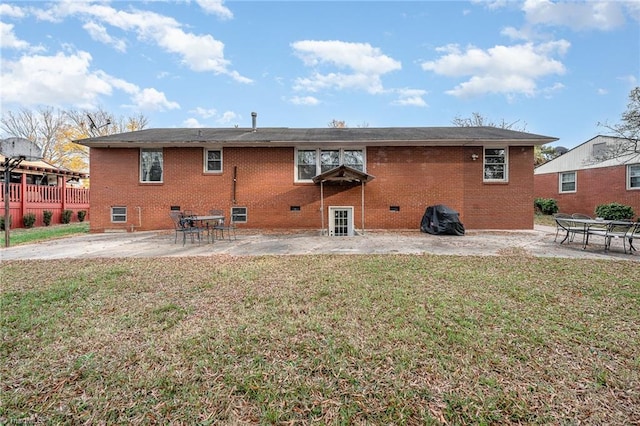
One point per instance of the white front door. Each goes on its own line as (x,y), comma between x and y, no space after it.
(341,221)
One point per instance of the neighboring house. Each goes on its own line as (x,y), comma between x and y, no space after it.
(36,186)
(580,180)
(340,180)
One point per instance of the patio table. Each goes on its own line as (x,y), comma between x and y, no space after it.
(608,229)
(207,221)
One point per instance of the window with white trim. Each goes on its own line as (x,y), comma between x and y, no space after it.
(151,165)
(633,176)
(213,160)
(567,182)
(118,214)
(239,214)
(312,162)
(495,164)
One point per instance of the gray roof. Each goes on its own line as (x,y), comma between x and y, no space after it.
(283,136)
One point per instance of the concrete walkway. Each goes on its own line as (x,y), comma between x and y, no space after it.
(538,242)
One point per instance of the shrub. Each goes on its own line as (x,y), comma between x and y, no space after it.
(614,211)
(46,217)
(546,205)
(28,220)
(2,222)
(81,215)
(66,216)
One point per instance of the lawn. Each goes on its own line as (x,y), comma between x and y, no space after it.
(388,339)
(32,235)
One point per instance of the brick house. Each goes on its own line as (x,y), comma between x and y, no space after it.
(293,178)
(581,179)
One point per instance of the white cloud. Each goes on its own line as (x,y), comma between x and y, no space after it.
(502,69)
(53,80)
(99,33)
(8,39)
(192,123)
(204,112)
(631,79)
(365,63)
(150,99)
(304,100)
(66,79)
(515,34)
(227,117)
(589,15)
(200,53)
(11,11)
(410,97)
(216,7)
(602,92)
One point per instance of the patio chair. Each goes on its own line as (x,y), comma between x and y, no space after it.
(223,225)
(183,226)
(614,230)
(562,225)
(566,223)
(634,232)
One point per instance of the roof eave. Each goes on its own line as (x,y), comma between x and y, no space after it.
(328,143)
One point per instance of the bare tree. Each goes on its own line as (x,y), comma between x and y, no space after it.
(627,131)
(478,120)
(41,126)
(541,154)
(54,131)
(337,124)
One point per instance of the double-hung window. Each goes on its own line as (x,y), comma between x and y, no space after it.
(633,176)
(496,164)
(312,162)
(213,160)
(567,182)
(151,165)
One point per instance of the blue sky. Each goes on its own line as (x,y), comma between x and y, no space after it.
(558,68)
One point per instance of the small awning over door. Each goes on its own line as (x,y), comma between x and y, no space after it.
(340,175)
(343,174)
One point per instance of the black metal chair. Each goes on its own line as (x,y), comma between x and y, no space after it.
(561,225)
(184,226)
(223,225)
(614,230)
(634,232)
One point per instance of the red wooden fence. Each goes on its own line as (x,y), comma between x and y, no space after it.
(25,198)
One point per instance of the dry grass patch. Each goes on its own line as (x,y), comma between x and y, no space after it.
(321,339)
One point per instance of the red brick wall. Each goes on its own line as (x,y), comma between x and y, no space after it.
(499,205)
(603,185)
(412,178)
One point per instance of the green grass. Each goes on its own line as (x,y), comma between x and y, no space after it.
(320,339)
(32,235)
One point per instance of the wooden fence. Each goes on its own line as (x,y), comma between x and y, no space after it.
(36,199)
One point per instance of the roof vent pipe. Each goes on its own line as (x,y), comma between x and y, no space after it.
(254,115)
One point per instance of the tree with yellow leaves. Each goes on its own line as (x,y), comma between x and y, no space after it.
(54,132)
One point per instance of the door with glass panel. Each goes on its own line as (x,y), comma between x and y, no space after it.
(341,221)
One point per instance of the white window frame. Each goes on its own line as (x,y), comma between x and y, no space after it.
(505,177)
(237,213)
(629,176)
(206,160)
(142,173)
(560,182)
(120,216)
(318,159)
